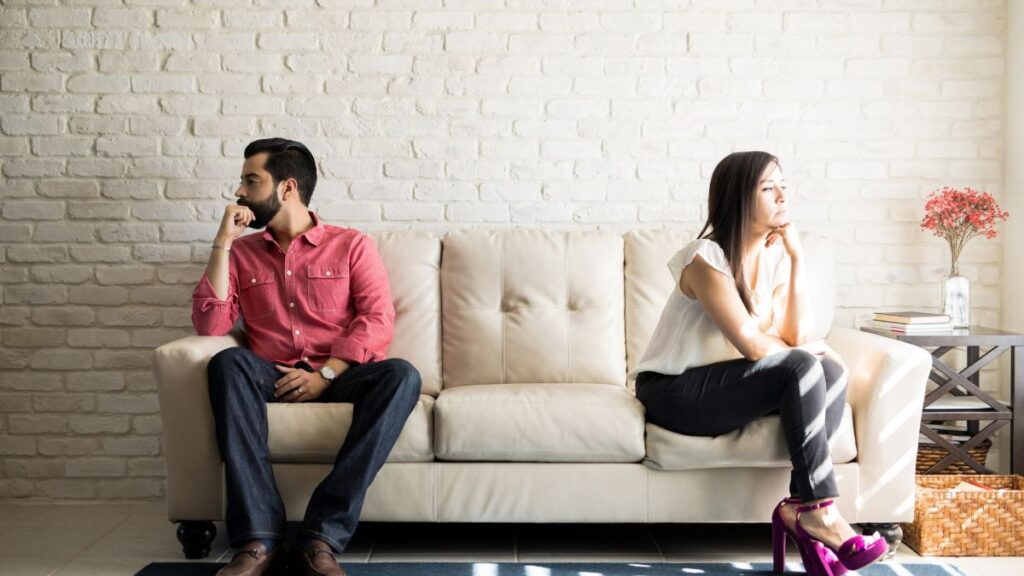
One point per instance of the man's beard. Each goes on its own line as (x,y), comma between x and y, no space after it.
(264,211)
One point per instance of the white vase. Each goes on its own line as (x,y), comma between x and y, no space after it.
(956,300)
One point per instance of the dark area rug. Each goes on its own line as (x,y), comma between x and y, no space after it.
(560,569)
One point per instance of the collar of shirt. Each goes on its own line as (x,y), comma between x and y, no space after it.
(314,235)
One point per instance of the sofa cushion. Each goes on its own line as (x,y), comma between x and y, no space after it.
(312,432)
(760,444)
(413,262)
(529,306)
(539,423)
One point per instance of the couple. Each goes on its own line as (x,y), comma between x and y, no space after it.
(729,348)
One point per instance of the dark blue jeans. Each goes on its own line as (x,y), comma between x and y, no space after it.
(807,391)
(241,383)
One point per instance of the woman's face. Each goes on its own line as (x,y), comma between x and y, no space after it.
(771,206)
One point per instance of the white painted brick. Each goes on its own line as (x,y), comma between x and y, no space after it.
(606,212)
(122,18)
(443,20)
(475,42)
(58,17)
(416,41)
(445,191)
(250,19)
(477,170)
(541,170)
(378,191)
(30,82)
(570,150)
(61,62)
(542,44)
(186,19)
(478,212)
(380,20)
(510,149)
(418,212)
(414,169)
(380,64)
(569,21)
(510,191)
(506,21)
(578,108)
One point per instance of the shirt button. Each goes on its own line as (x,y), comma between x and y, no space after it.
(305,358)
(289,272)
(328,272)
(296,331)
(291,304)
(253,280)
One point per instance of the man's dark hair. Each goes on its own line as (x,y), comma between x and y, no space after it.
(287,159)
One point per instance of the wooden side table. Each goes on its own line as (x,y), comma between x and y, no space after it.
(959,397)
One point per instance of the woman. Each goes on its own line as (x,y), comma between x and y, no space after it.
(732,346)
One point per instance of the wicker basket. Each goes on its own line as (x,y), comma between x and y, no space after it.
(959,523)
(929,455)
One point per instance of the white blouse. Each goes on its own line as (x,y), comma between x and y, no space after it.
(686,336)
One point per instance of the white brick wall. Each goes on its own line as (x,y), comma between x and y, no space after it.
(122,130)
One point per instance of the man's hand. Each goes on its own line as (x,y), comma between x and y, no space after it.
(297,385)
(234,222)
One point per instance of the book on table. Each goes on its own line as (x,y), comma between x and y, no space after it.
(913,317)
(913,328)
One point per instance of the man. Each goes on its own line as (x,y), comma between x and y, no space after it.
(318,313)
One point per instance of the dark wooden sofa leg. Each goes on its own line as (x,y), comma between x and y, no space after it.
(892,533)
(196,537)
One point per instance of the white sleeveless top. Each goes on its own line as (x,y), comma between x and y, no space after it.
(686,337)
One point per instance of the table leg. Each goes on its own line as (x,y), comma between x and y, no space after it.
(972,357)
(1017,398)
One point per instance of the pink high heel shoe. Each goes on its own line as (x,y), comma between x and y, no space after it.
(818,559)
(854,554)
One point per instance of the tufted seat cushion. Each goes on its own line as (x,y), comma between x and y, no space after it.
(760,444)
(314,431)
(539,423)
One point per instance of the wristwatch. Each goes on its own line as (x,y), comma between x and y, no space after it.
(328,373)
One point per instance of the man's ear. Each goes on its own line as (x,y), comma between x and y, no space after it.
(291,188)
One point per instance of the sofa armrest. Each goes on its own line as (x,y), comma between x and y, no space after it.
(194,477)
(886,391)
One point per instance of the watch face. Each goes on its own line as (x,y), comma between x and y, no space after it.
(327,372)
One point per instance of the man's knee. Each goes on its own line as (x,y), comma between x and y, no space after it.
(225,360)
(403,376)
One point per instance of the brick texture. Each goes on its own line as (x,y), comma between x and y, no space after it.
(122,130)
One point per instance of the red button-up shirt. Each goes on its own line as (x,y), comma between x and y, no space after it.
(328,296)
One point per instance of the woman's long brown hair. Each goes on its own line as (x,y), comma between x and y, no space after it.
(732,199)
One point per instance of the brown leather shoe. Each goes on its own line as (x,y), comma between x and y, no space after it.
(316,560)
(252,559)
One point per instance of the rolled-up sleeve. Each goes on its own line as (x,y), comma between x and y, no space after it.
(370,331)
(212,316)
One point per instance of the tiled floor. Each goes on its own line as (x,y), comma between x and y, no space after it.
(120,538)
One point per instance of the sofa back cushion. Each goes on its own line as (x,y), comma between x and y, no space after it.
(532,306)
(649,283)
(413,262)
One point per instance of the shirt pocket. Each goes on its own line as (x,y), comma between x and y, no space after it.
(327,287)
(257,294)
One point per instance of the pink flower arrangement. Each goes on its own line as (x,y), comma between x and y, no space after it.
(959,215)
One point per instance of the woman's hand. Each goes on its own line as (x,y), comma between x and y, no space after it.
(790,239)
(298,385)
(821,348)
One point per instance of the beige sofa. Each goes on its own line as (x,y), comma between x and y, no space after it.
(524,339)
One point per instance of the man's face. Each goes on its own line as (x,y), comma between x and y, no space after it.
(257,191)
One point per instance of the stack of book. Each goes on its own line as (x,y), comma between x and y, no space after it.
(913,322)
